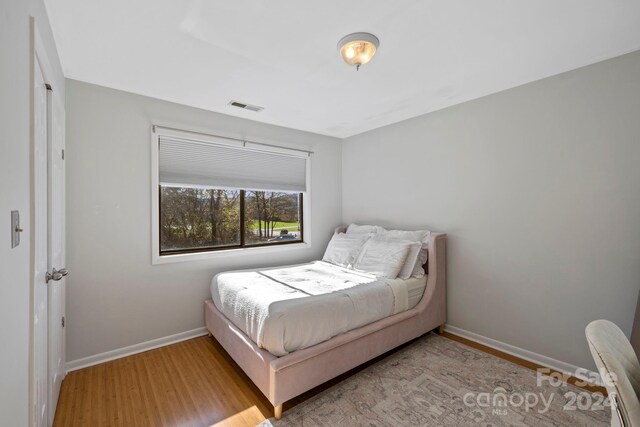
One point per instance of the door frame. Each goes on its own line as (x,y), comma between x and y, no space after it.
(39,56)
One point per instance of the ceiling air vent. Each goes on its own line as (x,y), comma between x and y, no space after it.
(246,106)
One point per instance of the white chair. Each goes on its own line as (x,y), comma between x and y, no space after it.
(616,359)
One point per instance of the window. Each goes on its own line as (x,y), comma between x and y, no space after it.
(203,219)
(272,217)
(213,194)
(198,219)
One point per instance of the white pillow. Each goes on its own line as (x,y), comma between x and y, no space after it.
(383,257)
(363,229)
(344,249)
(410,263)
(421,236)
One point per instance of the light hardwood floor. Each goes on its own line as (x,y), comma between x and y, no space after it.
(192,383)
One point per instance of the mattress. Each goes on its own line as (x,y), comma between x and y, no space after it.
(284,309)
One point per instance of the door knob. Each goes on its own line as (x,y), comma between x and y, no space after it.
(56,274)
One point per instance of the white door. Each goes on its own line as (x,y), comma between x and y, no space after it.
(48,246)
(40,386)
(56,288)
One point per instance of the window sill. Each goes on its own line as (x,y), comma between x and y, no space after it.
(227,253)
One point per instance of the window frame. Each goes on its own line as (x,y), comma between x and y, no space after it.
(163,257)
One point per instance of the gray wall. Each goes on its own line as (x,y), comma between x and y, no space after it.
(115,297)
(538,189)
(15,191)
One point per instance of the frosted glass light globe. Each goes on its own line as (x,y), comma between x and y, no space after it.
(358,48)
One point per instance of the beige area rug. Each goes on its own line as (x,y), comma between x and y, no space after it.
(438,382)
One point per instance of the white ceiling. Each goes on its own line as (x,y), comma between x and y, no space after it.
(281,54)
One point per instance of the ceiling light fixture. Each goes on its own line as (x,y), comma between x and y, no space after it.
(358,48)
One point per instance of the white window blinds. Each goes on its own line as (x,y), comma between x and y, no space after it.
(185,162)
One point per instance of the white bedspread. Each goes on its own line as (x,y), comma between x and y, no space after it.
(284,309)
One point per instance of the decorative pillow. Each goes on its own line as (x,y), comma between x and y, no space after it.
(343,249)
(383,257)
(421,236)
(363,229)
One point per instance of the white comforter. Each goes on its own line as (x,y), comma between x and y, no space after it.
(284,309)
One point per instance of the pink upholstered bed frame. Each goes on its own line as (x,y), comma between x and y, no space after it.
(283,378)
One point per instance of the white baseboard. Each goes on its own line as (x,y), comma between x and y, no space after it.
(133,349)
(548,362)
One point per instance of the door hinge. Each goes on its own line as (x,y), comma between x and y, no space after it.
(63,321)
(62,154)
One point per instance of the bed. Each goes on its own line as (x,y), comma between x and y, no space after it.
(299,365)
